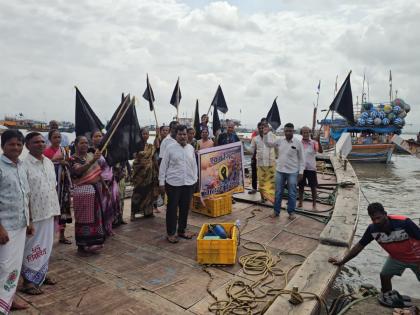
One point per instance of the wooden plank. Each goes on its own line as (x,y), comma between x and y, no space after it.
(192,288)
(315,275)
(341,227)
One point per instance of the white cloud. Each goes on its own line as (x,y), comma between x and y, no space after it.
(255,53)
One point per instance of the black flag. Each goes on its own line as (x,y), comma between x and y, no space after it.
(216,121)
(125,136)
(148,94)
(86,120)
(196,123)
(343,101)
(219,101)
(273,116)
(176,95)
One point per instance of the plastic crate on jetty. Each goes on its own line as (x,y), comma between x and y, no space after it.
(217,251)
(215,205)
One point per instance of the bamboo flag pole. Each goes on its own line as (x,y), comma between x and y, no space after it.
(123,105)
(208,112)
(154,112)
(115,126)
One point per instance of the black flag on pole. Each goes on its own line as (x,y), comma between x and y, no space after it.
(86,120)
(343,101)
(219,101)
(273,116)
(148,94)
(125,136)
(196,123)
(176,95)
(216,121)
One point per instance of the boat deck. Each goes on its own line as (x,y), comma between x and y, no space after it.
(139,272)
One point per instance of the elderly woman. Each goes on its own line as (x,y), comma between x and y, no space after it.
(86,175)
(60,156)
(145,178)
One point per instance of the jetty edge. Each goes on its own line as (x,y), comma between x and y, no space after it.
(316,275)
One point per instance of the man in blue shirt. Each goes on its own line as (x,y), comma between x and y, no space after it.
(14,217)
(229,136)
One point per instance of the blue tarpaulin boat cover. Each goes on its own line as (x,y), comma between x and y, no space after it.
(336,133)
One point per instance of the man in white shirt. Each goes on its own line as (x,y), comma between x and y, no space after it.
(169,139)
(44,205)
(178,176)
(290,166)
(265,157)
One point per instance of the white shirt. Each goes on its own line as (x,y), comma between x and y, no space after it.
(266,156)
(291,158)
(165,143)
(310,148)
(178,166)
(43,199)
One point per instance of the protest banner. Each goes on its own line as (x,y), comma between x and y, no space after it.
(221,169)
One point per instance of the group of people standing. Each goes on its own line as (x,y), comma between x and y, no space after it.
(280,162)
(36,198)
(38,192)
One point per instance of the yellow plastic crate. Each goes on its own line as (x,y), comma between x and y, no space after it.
(221,252)
(216,205)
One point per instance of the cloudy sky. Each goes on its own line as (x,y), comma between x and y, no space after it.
(256,50)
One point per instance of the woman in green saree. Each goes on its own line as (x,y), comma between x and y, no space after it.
(145,178)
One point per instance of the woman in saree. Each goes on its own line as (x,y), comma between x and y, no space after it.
(204,142)
(145,178)
(110,194)
(60,156)
(87,205)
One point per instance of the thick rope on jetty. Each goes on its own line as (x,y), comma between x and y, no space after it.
(244,297)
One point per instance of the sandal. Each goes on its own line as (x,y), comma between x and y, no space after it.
(172,239)
(389,299)
(65,241)
(405,298)
(49,281)
(187,235)
(31,289)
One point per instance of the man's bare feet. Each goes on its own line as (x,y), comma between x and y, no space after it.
(274,215)
(18,304)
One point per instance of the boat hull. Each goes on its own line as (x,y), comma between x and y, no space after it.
(381,153)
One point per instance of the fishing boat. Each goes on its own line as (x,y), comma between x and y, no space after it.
(139,272)
(369,144)
(372,125)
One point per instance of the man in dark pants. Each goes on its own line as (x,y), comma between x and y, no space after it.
(253,173)
(177,176)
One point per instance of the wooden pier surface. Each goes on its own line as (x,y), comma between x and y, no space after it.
(139,272)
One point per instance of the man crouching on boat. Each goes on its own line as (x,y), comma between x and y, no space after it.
(397,235)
